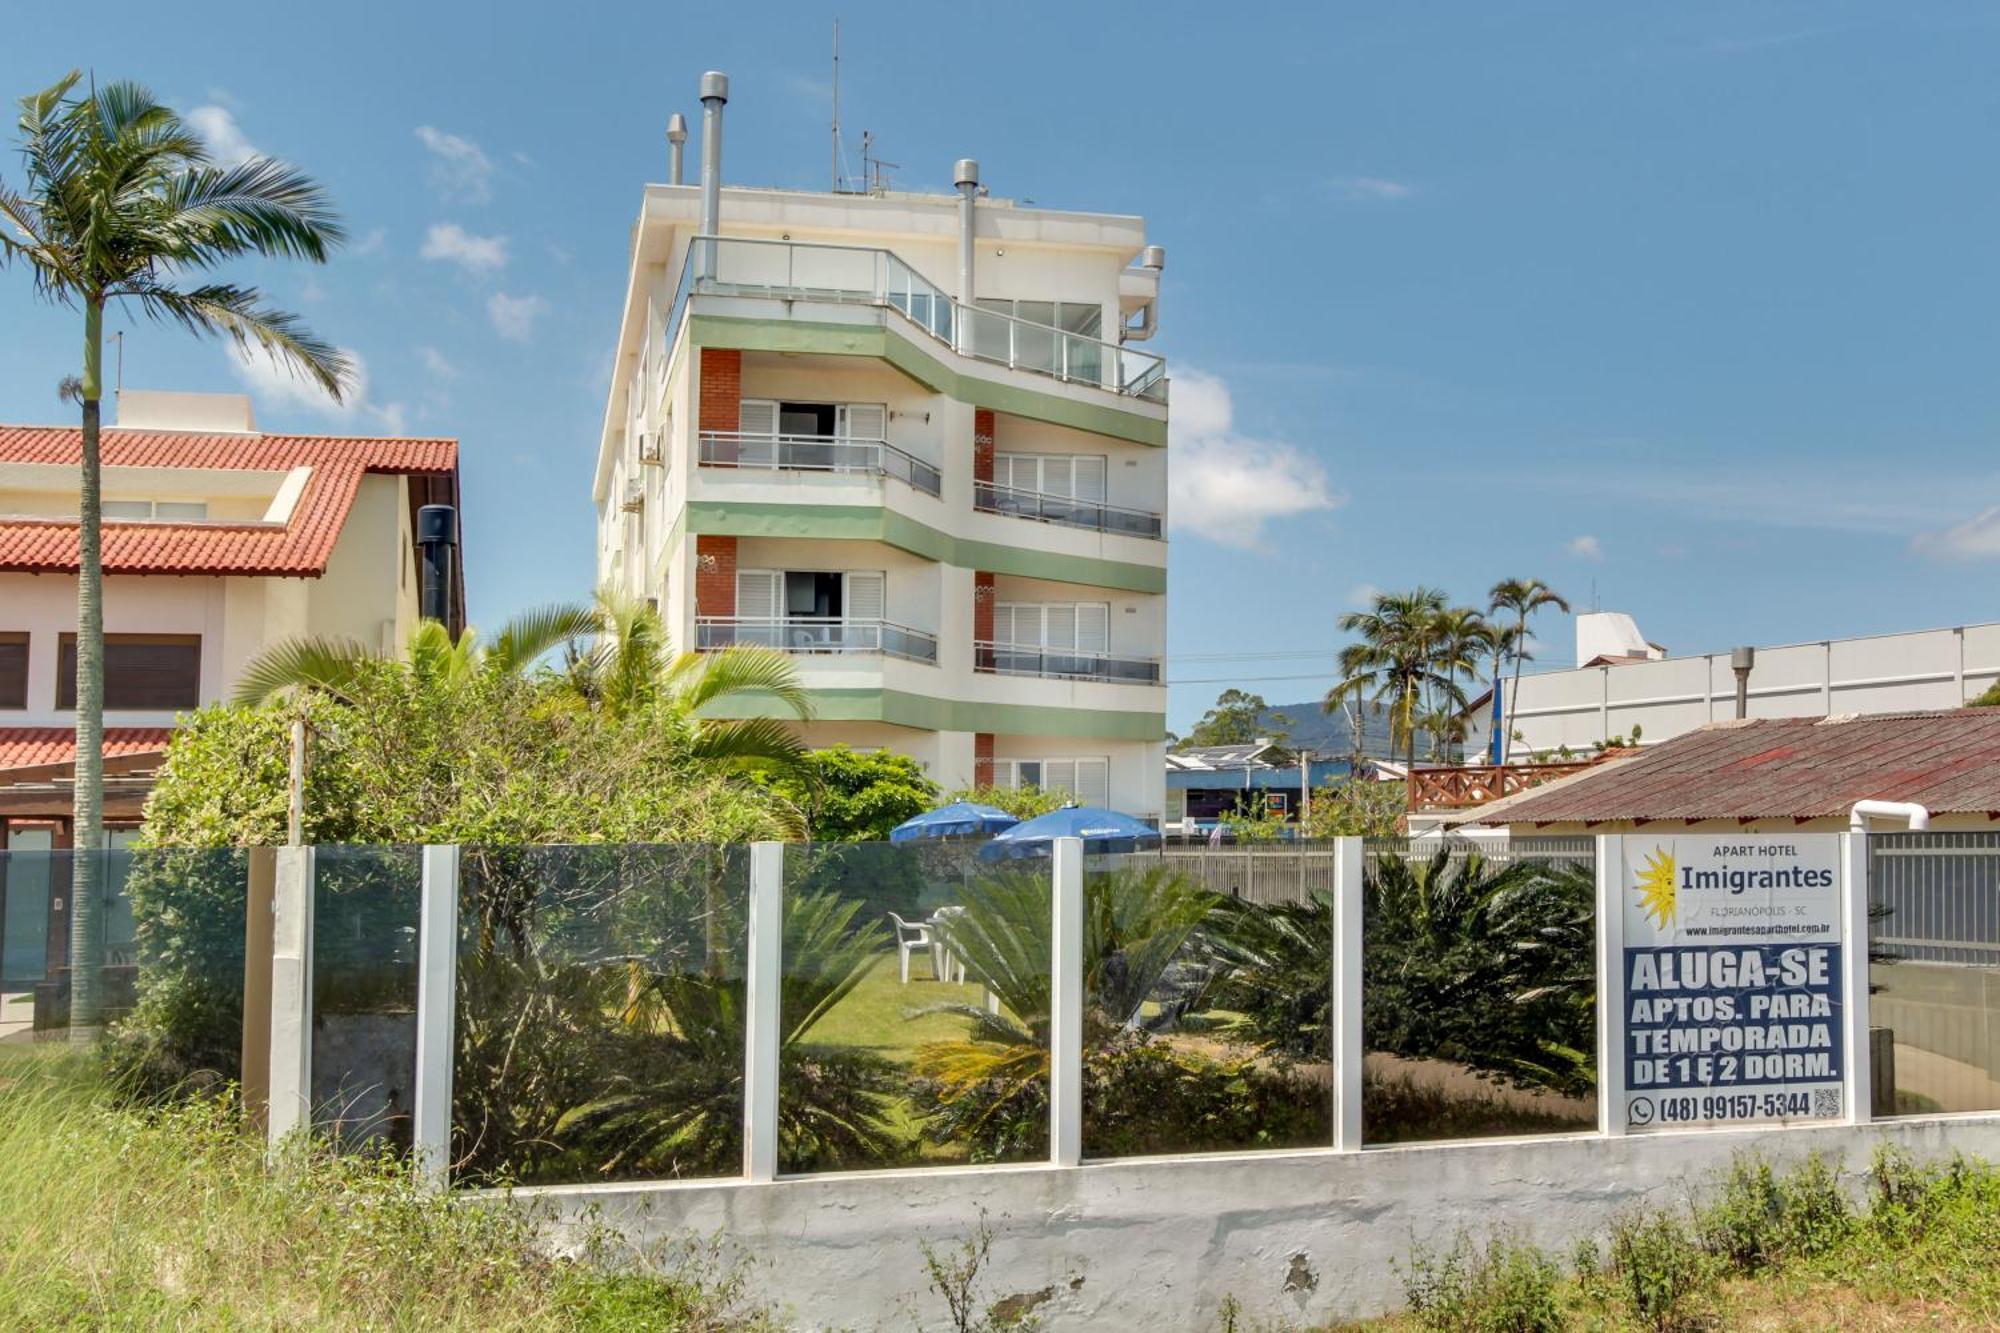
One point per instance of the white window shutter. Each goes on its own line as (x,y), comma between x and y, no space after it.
(1061,625)
(1093,782)
(1004,471)
(1003,623)
(757,416)
(866,593)
(1093,627)
(757,594)
(1058,476)
(862,421)
(1059,775)
(1089,473)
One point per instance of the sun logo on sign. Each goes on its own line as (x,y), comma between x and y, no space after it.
(1656,887)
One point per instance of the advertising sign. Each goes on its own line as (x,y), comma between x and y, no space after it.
(1730,997)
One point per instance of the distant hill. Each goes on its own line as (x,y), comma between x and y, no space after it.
(1307,728)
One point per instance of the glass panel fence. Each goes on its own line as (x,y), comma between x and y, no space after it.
(915,1012)
(179,916)
(1934,972)
(1478,1000)
(1206,1015)
(364,992)
(600,1024)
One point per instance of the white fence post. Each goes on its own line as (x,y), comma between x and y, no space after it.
(1855,1016)
(1066,1006)
(762,986)
(1610,984)
(437,1000)
(1345,1015)
(291,994)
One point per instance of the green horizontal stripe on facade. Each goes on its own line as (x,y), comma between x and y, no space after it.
(876,523)
(788,335)
(926,713)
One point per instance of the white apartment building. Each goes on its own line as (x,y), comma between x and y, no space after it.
(219,540)
(1624,682)
(911,440)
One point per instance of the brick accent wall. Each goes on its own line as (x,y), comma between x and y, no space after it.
(982,444)
(982,759)
(714,575)
(983,597)
(720,404)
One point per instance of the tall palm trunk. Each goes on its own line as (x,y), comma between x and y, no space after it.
(1507,713)
(86,917)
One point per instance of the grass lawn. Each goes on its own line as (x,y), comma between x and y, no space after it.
(882,1015)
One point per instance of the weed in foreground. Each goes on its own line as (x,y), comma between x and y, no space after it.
(1508,1286)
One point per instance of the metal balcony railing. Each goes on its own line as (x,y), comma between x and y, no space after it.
(813,635)
(1008,659)
(818,453)
(862,275)
(990,498)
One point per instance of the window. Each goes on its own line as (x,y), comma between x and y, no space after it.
(13,669)
(770,594)
(166,511)
(1035,343)
(861,422)
(1081,626)
(1067,476)
(1086,780)
(153,673)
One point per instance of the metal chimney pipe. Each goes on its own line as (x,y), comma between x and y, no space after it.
(714,93)
(1740,661)
(437,540)
(965,175)
(677,137)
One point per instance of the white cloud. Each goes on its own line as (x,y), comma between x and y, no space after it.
(453,244)
(1362,595)
(1585,547)
(227,144)
(273,385)
(1224,486)
(1977,538)
(1373,188)
(461,170)
(371,243)
(514,316)
(436,363)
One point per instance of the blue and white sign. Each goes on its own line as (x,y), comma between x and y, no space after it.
(1731,993)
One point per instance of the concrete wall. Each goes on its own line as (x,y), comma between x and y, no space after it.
(1880,674)
(1159,1244)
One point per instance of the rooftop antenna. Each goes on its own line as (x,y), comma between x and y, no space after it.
(836,106)
(118,385)
(872,179)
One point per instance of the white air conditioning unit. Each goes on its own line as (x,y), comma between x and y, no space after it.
(649,447)
(635,496)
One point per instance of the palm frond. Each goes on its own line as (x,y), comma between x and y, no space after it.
(752,739)
(239,312)
(523,639)
(259,206)
(325,664)
(700,679)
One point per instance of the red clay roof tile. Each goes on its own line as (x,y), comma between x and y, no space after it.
(37,747)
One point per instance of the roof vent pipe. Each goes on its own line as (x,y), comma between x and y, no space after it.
(714,93)
(437,541)
(1153,257)
(965,175)
(1741,659)
(1917,817)
(677,137)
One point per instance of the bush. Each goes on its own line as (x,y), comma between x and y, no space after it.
(1509,1286)
(1665,1278)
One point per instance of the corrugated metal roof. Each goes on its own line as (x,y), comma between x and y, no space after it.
(1798,768)
(300,547)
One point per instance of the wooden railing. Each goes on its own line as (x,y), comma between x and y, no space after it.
(1475,784)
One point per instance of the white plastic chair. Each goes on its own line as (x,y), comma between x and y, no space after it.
(946,965)
(911,936)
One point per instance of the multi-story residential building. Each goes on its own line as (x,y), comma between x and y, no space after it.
(910,440)
(219,540)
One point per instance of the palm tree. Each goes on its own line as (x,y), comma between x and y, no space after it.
(1501,642)
(1462,637)
(122,203)
(1522,598)
(1395,659)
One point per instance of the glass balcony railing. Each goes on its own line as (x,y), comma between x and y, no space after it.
(990,498)
(815,635)
(1009,659)
(859,275)
(818,453)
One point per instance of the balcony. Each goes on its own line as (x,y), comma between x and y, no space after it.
(816,636)
(1008,659)
(860,275)
(818,453)
(990,498)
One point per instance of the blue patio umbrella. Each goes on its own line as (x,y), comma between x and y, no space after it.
(960,819)
(1101,830)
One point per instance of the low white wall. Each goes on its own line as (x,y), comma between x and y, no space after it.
(1158,1244)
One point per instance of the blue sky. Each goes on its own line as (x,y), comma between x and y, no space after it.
(1691,305)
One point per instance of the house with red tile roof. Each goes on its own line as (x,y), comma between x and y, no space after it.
(219,540)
